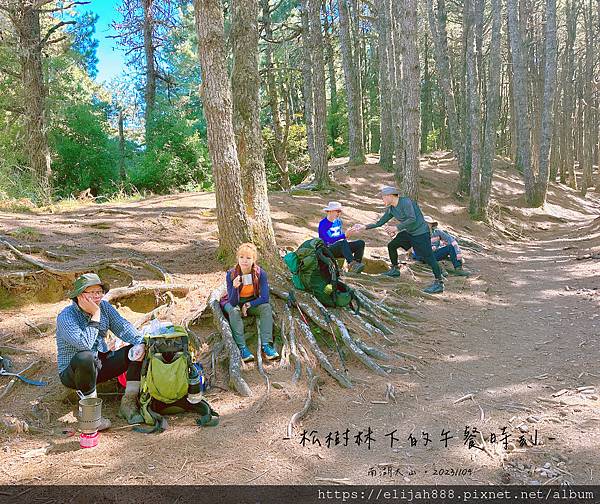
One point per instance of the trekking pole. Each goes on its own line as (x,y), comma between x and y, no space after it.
(327,317)
(291,301)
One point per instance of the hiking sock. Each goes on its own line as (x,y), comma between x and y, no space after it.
(132,388)
(92,394)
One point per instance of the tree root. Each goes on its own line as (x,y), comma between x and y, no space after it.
(49,268)
(261,370)
(350,343)
(307,404)
(236,381)
(126,292)
(294,350)
(372,351)
(321,357)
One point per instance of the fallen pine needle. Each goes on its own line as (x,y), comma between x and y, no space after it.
(463,398)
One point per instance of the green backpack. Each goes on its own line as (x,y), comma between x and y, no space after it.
(314,269)
(164,381)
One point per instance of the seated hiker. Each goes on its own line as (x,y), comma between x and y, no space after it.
(248,294)
(330,231)
(444,246)
(83,355)
(411,231)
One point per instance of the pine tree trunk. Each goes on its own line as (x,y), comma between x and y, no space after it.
(279,147)
(386,152)
(245,82)
(352,82)
(427,105)
(307,83)
(521,96)
(333,130)
(474,107)
(568,112)
(122,172)
(26,21)
(150,91)
(588,121)
(395,70)
(547,126)
(232,221)
(412,120)
(440,42)
(492,108)
(319,95)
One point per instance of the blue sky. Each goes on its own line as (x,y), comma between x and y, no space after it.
(111,60)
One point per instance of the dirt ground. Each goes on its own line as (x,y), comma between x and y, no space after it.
(521,335)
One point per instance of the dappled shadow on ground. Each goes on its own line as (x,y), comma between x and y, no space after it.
(521,329)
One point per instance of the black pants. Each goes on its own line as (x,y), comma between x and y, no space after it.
(351,251)
(421,244)
(87,369)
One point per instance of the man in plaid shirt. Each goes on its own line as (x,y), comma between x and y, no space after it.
(83,356)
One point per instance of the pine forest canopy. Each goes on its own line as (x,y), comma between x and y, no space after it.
(290,84)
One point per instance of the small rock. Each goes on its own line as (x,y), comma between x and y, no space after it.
(521,467)
(594,397)
(547,465)
(544,474)
(523,428)
(510,446)
(406,479)
(533,419)
(534,482)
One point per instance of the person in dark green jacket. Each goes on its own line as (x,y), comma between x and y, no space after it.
(411,230)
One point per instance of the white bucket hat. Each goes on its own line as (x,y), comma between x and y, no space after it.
(430,220)
(332,206)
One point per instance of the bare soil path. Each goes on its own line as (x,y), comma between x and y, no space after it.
(518,338)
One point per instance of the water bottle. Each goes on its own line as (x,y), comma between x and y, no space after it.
(195,383)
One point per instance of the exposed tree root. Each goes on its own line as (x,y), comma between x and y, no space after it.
(140,289)
(74,271)
(236,381)
(350,343)
(321,357)
(307,404)
(373,352)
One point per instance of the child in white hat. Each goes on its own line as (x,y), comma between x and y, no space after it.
(330,231)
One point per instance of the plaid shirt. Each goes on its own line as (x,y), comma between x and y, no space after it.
(75,332)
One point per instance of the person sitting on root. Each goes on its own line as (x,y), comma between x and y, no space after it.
(411,231)
(444,246)
(82,353)
(248,294)
(330,231)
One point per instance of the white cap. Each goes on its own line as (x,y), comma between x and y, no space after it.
(332,206)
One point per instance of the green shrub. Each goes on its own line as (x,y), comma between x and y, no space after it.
(86,157)
(175,158)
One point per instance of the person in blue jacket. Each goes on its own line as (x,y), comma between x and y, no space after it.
(330,231)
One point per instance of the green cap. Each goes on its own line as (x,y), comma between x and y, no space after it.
(85,281)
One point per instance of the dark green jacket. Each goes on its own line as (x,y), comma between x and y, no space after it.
(408,213)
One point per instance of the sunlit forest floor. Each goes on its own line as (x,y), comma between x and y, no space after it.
(521,335)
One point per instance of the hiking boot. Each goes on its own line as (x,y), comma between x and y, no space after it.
(105,423)
(356,267)
(246,354)
(269,352)
(459,271)
(394,271)
(129,409)
(435,288)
